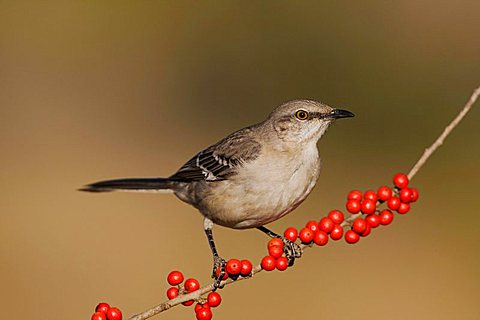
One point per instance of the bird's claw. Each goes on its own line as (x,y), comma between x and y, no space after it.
(292,250)
(219,270)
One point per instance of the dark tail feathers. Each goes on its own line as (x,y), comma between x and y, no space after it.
(133,184)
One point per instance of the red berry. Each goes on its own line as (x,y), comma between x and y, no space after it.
(369,206)
(351,237)
(312,225)
(275,251)
(326,224)
(174,278)
(414,194)
(386,217)
(246,268)
(403,208)
(199,306)
(367,231)
(337,232)
(400,180)
(393,203)
(204,314)
(373,220)
(291,234)
(370,195)
(172,293)
(336,216)
(114,314)
(217,273)
(233,267)
(406,195)
(275,242)
(320,238)
(214,299)
(188,303)
(384,193)
(102,307)
(192,285)
(268,263)
(353,206)
(355,195)
(281,263)
(306,235)
(98,316)
(359,226)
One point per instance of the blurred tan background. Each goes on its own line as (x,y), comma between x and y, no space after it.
(92,90)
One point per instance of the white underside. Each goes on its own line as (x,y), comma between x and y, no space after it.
(269,189)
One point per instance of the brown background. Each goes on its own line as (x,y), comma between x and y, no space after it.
(93,90)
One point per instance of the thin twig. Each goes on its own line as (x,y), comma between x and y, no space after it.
(208,288)
(428,152)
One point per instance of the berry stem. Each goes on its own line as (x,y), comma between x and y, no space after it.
(350,219)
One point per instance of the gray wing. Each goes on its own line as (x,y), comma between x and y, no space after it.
(221,160)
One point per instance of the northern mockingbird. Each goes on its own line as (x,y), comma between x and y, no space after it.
(252,177)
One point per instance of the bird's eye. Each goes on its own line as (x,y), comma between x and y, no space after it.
(301,115)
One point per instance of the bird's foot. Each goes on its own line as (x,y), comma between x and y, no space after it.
(292,250)
(219,271)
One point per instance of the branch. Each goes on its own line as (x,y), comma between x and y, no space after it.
(196,295)
(430,150)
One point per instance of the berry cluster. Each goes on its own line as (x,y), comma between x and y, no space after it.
(236,268)
(203,307)
(317,232)
(364,215)
(364,207)
(276,257)
(103,311)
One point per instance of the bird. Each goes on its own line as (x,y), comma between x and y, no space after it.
(250,178)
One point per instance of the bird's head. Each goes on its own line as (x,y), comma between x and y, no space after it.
(304,120)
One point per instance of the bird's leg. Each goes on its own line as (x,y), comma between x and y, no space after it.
(218,262)
(291,249)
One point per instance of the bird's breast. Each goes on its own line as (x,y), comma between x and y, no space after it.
(264,190)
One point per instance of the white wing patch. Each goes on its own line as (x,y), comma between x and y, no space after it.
(209,176)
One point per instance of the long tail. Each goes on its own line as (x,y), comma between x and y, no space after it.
(132,184)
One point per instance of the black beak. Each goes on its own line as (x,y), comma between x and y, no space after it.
(339,113)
